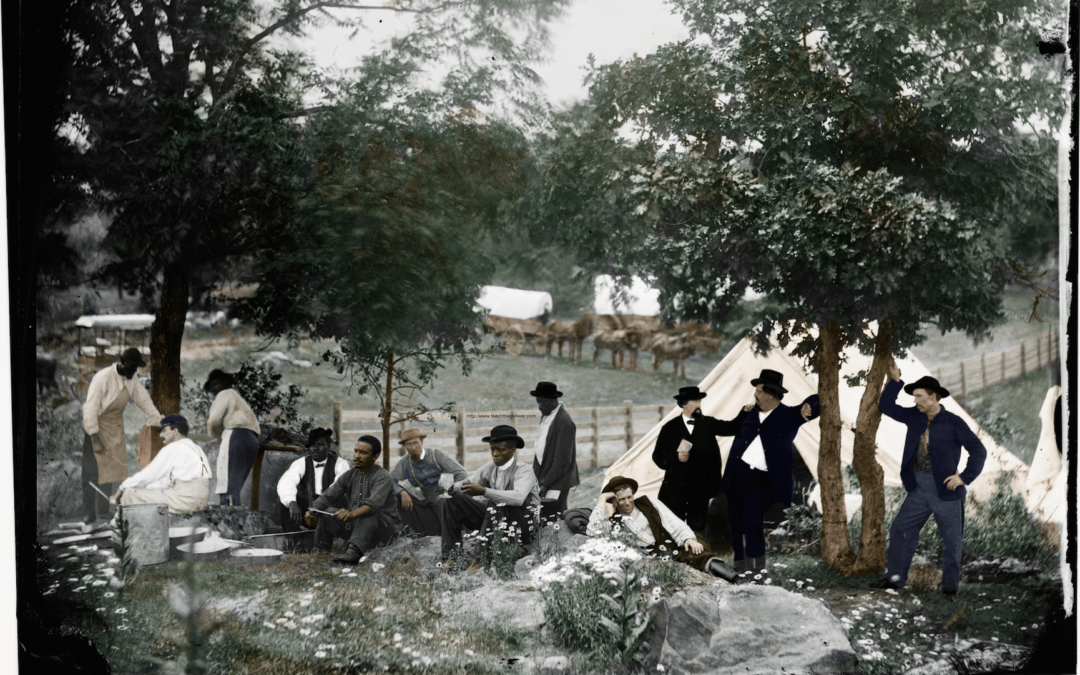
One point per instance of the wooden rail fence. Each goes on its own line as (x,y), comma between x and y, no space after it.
(459,432)
(989,370)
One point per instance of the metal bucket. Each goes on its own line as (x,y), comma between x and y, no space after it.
(148,532)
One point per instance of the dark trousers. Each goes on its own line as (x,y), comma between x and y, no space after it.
(461,514)
(426,517)
(243,446)
(554,509)
(917,508)
(750,496)
(94,503)
(689,506)
(365,533)
(286,517)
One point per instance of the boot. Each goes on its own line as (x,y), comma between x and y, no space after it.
(759,564)
(739,565)
(718,568)
(350,556)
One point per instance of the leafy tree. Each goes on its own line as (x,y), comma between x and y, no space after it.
(856,161)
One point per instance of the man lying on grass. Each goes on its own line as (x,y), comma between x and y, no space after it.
(656,528)
(366,507)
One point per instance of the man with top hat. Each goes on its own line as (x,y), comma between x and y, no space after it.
(104,456)
(656,528)
(555,458)
(687,451)
(308,477)
(363,505)
(179,476)
(501,491)
(930,473)
(231,420)
(759,470)
(418,483)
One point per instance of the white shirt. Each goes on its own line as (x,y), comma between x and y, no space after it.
(181,460)
(542,434)
(755,454)
(638,524)
(289,483)
(686,423)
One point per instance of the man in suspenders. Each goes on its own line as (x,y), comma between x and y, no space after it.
(416,483)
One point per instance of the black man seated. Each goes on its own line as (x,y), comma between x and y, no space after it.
(308,477)
(363,503)
(416,482)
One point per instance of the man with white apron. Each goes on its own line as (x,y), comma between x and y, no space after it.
(231,419)
(104,456)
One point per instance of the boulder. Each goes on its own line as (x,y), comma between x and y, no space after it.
(231,522)
(976,656)
(746,629)
(998,570)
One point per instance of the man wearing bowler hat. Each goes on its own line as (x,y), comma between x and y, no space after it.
(555,461)
(104,455)
(930,473)
(308,477)
(687,451)
(503,490)
(417,482)
(759,469)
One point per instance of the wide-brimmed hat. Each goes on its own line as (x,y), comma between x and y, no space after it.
(317,433)
(218,375)
(546,390)
(929,383)
(133,356)
(618,482)
(690,394)
(773,381)
(504,432)
(409,434)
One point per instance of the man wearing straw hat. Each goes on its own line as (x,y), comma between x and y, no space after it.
(104,456)
(555,458)
(930,473)
(759,470)
(179,476)
(417,478)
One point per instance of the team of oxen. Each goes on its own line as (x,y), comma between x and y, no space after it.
(624,335)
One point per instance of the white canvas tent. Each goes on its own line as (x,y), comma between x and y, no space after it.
(728,388)
(1045,490)
(639,299)
(514,303)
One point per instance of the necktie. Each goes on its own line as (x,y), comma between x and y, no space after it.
(690,422)
(319,466)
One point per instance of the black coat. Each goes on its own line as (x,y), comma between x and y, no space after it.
(697,480)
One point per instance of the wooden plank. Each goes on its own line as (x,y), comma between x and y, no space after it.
(649,409)
(595,437)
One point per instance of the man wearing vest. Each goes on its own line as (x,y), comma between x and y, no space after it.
(308,477)
(555,458)
(930,473)
(759,470)
(417,483)
(656,528)
(503,490)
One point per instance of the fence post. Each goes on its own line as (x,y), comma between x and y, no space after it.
(660,412)
(595,438)
(1002,367)
(982,365)
(336,423)
(1023,361)
(459,412)
(1038,351)
(629,423)
(963,381)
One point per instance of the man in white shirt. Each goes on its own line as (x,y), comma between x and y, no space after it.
(104,456)
(656,528)
(179,476)
(555,458)
(308,477)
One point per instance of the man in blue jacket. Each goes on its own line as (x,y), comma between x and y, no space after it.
(759,469)
(929,472)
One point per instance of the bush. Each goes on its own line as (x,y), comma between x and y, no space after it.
(59,434)
(260,385)
(1002,527)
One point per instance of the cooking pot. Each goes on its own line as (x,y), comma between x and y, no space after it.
(255,556)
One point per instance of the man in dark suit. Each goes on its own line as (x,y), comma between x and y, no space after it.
(687,451)
(555,458)
(759,468)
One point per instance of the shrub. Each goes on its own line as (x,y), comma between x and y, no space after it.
(59,434)
(260,385)
(1002,526)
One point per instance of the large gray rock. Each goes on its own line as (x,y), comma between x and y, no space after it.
(747,629)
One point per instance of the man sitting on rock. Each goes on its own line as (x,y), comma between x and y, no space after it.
(504,490)
(416,482)
(656,528)
(308,477)
(179,476)
(366,508)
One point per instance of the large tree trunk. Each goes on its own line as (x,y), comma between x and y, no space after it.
(166,336)
(835,540)
(871,555)
(387,408)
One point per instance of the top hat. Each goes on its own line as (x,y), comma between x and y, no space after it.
(171,420)
(133,356)
(218,375)
(317,433)
(411,433)
(619,482)
(690,394)
(927,382)
(546,390)
(771,379)
(504,432)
